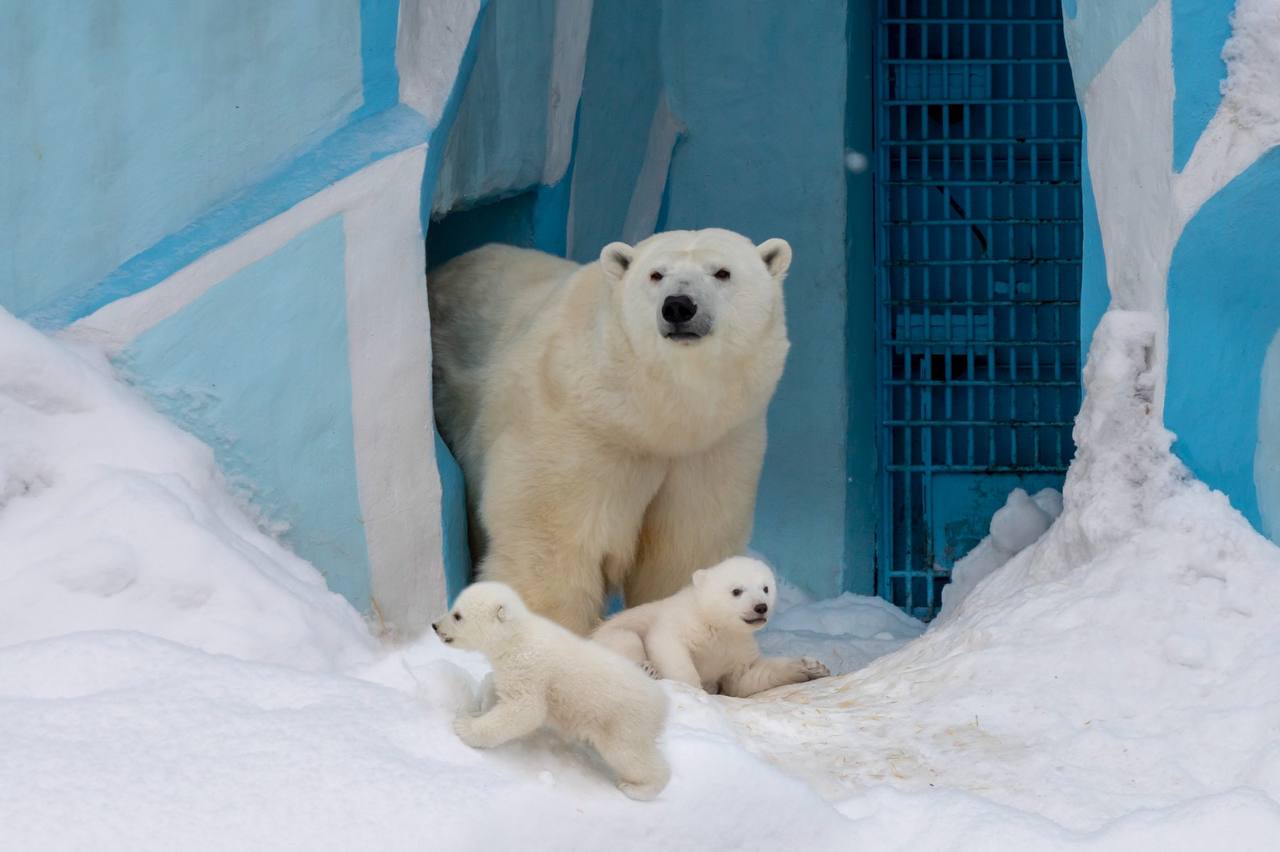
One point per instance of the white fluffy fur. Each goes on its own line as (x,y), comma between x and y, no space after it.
(598,451)
(545,675)
(704,635)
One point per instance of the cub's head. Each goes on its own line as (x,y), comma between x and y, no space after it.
(738,591)
(682,290)
(484,616)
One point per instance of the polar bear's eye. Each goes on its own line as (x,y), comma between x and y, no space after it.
(722,274)
(457,616)
(766,590)
(737,592)
(655,275)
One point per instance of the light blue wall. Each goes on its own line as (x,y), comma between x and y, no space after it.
(1199,29)
(762,94)
(1223,290)
(1224,311)
(257,368)
(621,88)
(124,121)
(497,142)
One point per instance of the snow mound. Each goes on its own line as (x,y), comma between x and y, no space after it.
(112,518)
(845,633)
(1127,661)
(1251,90)
(1014,527)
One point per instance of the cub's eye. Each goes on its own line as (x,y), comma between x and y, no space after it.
(457,616)
(655,275)
(737,593)
(766,590)
(722,274)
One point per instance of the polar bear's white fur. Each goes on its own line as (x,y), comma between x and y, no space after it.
(609,418)
(545,675)
(704,635)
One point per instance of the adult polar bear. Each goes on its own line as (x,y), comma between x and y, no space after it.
(609,418)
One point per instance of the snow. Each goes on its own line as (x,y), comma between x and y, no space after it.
(112,518)
(172,677)
(1014,527)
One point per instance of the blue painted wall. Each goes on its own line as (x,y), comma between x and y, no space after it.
(1224,312)
(217,366)
(762,95)
(124,121)
(620,90)
(1223,291)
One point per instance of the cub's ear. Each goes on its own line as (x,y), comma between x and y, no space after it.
(776,254)
(615,259)
(699,577)
(500,614)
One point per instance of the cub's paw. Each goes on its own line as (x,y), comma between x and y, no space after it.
(811,669)
(640,792)
(648,668)
(465,728)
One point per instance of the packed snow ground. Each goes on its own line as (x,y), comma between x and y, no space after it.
(171,677)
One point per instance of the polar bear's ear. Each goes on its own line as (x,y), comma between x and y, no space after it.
(698,577)
(616,258)
(776,254)
(500,614)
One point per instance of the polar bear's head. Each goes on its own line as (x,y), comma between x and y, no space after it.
(738,591)
(683,290)
(485,616)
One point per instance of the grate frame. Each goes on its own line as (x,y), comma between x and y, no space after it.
(978,243)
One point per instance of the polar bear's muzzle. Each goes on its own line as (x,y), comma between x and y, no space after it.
(682,320)
(444,637)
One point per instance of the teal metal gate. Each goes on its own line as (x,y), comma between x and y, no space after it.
(978,244)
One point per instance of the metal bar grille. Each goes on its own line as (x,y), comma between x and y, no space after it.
(978,243)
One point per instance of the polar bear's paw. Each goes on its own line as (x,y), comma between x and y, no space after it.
(641,792)
(649,669)
(810,669)
(464,727)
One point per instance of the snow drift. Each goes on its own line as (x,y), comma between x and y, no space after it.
(170,676)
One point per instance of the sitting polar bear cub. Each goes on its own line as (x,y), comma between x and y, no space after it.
(609,418)
(543,674)
(704,635)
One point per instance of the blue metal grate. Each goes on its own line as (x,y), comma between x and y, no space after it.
(978,243)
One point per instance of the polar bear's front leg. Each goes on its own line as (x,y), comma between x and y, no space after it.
(672,659)
(768,672)
(701,515)
(510,719)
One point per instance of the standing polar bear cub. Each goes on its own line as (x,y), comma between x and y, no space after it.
(704,635)
(543,674)
(609,418)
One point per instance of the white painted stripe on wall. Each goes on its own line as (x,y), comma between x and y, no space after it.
(113,326)
(646,197)
(430,40)
(568,65)
(389,340)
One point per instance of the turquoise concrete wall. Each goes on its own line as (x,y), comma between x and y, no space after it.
(140,137)
(762,95)
(1224,314)
(1222,397)
(217,370)
(124,121)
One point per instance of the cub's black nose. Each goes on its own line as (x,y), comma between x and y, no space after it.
(762,608)
(678,309)
(435,627)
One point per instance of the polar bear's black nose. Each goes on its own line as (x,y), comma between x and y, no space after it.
(762,608)
(678,309)
(435,627)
